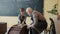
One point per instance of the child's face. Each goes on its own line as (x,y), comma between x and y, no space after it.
(22,12)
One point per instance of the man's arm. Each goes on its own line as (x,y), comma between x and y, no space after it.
(35,18)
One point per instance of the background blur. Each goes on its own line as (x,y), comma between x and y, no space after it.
(9,9)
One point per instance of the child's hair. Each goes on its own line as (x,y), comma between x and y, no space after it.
(22,9)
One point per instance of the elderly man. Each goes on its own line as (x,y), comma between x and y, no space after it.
(39,22)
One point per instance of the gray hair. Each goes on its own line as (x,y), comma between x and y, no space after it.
(28,9)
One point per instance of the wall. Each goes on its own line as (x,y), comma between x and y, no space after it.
(48,5)
(11,7)
(12,20)
(8,8)
(59,6)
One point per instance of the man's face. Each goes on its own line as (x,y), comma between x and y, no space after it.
(29,12)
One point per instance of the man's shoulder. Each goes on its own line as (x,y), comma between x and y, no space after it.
(35,12)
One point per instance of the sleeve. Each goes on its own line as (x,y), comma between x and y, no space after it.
(19,19)
(35,18)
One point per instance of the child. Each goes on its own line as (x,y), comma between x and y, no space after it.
(21,16)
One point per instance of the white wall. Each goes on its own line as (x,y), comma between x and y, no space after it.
(12,20)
